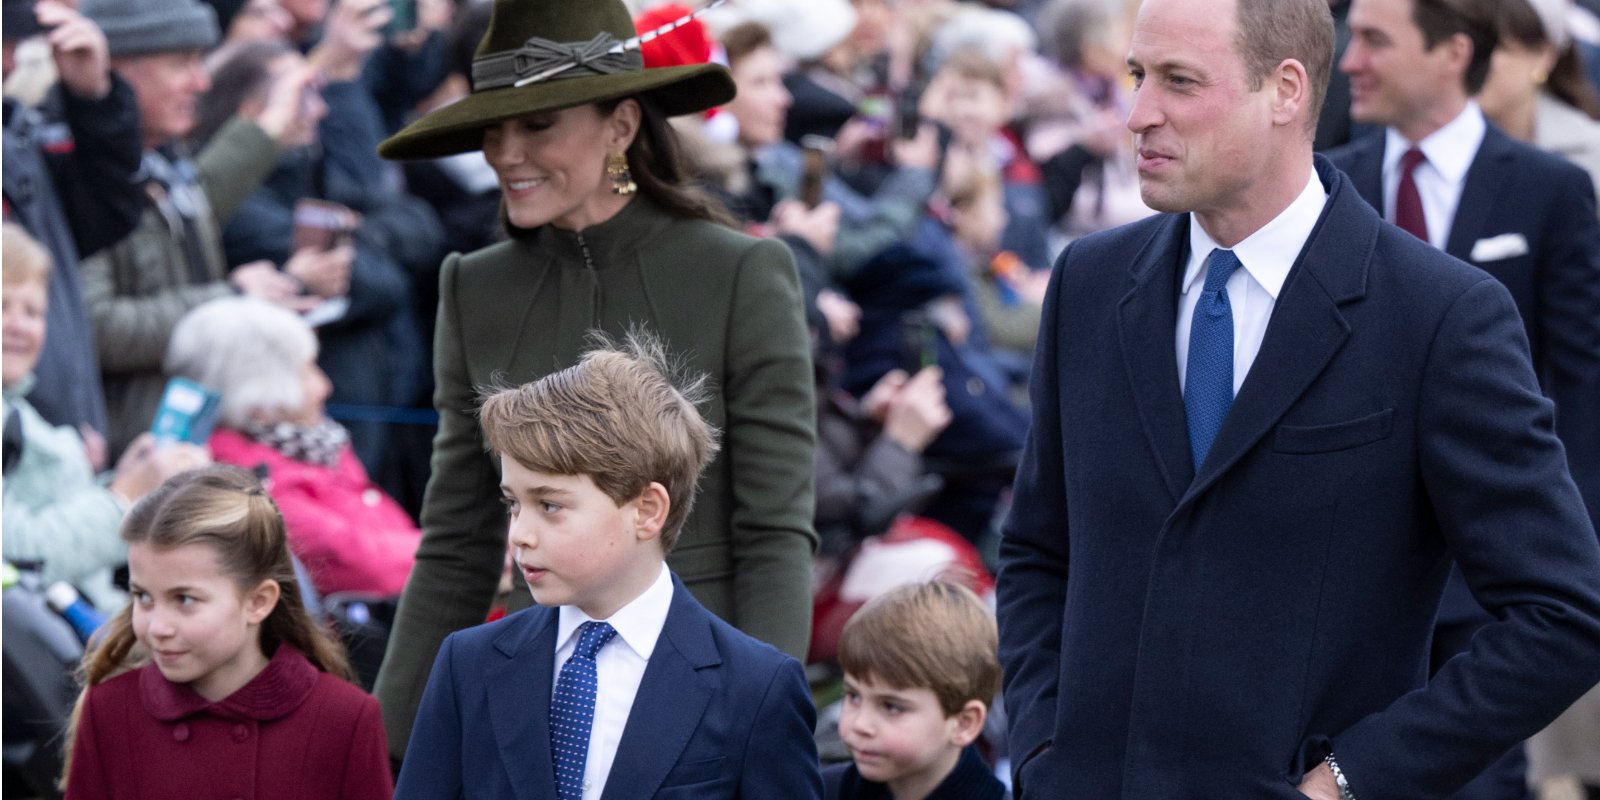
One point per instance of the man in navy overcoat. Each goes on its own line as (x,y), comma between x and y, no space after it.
(1233,597)
(1524,216)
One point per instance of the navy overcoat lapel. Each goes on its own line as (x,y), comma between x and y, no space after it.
(678,685)
(519,689)
(1146,316)
(1307,328)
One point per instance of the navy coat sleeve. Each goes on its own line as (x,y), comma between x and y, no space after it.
(432,766)
(1033,557)
(772,768)
(1497,479)
(1569,300)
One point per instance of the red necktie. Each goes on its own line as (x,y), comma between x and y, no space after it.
(1407,201)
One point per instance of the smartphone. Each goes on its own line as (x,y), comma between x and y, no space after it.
(816,149)
(405,16)
(919,341)
(321,225)
(908,117)
(188,413)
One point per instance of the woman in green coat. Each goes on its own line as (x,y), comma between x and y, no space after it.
(606,233)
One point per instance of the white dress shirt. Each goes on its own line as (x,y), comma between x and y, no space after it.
(1449,152)
(1266,256)
(619,667)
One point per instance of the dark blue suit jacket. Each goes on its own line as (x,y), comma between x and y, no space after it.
(1515,188)
(718,714)
(1167,634)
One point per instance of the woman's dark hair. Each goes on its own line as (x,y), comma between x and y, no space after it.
(242,74)
(1519,23)
(656,160)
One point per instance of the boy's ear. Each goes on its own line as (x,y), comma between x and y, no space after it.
(260,601)
(651,506)
(967,723)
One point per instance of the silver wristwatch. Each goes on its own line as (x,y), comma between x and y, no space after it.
(1338,777)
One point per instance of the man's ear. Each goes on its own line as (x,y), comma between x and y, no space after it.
(967,723)
(1459,50)
(623,125)
(650,508)
(259,602)
(1291,87)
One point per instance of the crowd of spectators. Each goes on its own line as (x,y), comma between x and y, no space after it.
(192,189)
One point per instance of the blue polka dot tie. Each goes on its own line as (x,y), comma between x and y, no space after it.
(1208,384)
(572,710)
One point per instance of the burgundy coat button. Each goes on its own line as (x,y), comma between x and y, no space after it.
(180,732)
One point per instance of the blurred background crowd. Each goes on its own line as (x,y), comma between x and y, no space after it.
(193,190)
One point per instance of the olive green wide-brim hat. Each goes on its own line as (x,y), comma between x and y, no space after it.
(565,53)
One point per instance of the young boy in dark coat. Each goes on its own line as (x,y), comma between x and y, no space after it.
(919,672)
(618,684)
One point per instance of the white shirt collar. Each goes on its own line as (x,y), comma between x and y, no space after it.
(1450,150)
(638,623)
(1268,253)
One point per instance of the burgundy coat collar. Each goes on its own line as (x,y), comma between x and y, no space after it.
(280,688)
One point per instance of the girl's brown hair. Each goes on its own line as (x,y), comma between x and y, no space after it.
(226,509)
(661,170)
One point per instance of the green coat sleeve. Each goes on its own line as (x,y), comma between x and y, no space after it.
(770,439)
(461,555)
(234,164)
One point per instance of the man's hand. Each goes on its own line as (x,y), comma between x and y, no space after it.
(83,59)
(325,272)
(260,279)
(353,29)
(917,413)
(818,226)
(432,15)
(1319,784)
(287,117)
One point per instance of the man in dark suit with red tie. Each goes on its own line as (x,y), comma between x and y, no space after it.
(1441,171)
(1264,423)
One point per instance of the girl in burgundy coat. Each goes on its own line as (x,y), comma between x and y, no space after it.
(214,681)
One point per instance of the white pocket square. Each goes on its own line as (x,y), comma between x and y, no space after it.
(1494,248)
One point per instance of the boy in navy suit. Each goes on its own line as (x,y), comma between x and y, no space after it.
(919,673)
(618,684)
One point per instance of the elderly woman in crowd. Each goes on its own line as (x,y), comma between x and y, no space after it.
(262,360)
(606,232)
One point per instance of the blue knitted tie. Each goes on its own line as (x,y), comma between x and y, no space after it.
(572,710)
(1208,387)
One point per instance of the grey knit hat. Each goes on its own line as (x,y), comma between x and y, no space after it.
(138,27)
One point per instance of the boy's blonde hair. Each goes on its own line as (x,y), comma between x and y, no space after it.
(936,635)
(622,416)
(22,258)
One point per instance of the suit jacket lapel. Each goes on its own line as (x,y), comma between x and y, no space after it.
(1146,317)
(1366,170)
(1307,327)
(677,686)
(1487,179)
(519,710)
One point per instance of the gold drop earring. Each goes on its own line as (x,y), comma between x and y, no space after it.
(621,177)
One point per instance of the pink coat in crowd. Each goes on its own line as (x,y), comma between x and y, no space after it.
(349,534)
